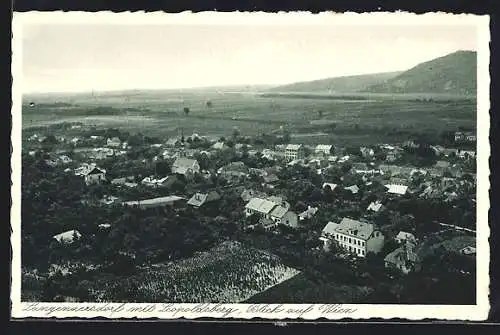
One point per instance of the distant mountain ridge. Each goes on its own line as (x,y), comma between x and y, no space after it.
(344,84)
(454,73)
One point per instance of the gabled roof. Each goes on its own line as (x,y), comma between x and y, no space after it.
(308,213)
(329,228)
(67,236)
(200,199)
(374,206)
(354,189)
(279,211)
(331,185)
(94,170)
(247,195)
(323,147)
(396,189)
(260,205)
(402,235)
(355,228)
(293,147)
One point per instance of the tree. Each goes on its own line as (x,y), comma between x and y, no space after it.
(162,168)
(186,110)
(320,113)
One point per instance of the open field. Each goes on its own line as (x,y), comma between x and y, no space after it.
(228,273)
(160,113)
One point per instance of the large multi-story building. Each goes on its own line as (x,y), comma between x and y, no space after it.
(353,236)
(294,151)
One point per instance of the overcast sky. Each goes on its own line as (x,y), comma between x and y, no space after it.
(87,57)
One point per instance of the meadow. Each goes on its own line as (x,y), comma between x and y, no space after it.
(353,120)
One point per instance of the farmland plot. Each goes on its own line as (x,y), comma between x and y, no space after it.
(228,273)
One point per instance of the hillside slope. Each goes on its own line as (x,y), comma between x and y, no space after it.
(454,73)
(347,84)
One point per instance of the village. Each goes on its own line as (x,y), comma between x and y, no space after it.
(399,202)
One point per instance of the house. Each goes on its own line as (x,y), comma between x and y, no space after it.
(247,195)
(154,202)
(200,199)
(362,168)
(403,258)
(185,166)
(114,142)
(259,206)
(344,159)
(375,206)
(109,200)
(124,181)
(161,182)
(354,236)
(468,251)
(308,213)
(94,175)
(76,140)
(281,215)
(323,149)
(396,189)
(330,185)
(395,170)
(272,208)
(65,159)
(366,152)
(467,154)
(404,237)
(354,189)
(173,142)
(234,169)
(219,146)
(392,156)
(294,151)
(68,236)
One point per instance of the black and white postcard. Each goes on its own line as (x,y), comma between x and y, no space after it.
(250,165)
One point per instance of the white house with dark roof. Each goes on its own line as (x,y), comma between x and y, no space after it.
(354,236)
(94,175)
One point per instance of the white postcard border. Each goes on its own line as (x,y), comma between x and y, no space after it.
(247,311)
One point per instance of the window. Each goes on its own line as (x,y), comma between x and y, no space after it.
(349,240)
(363,243)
